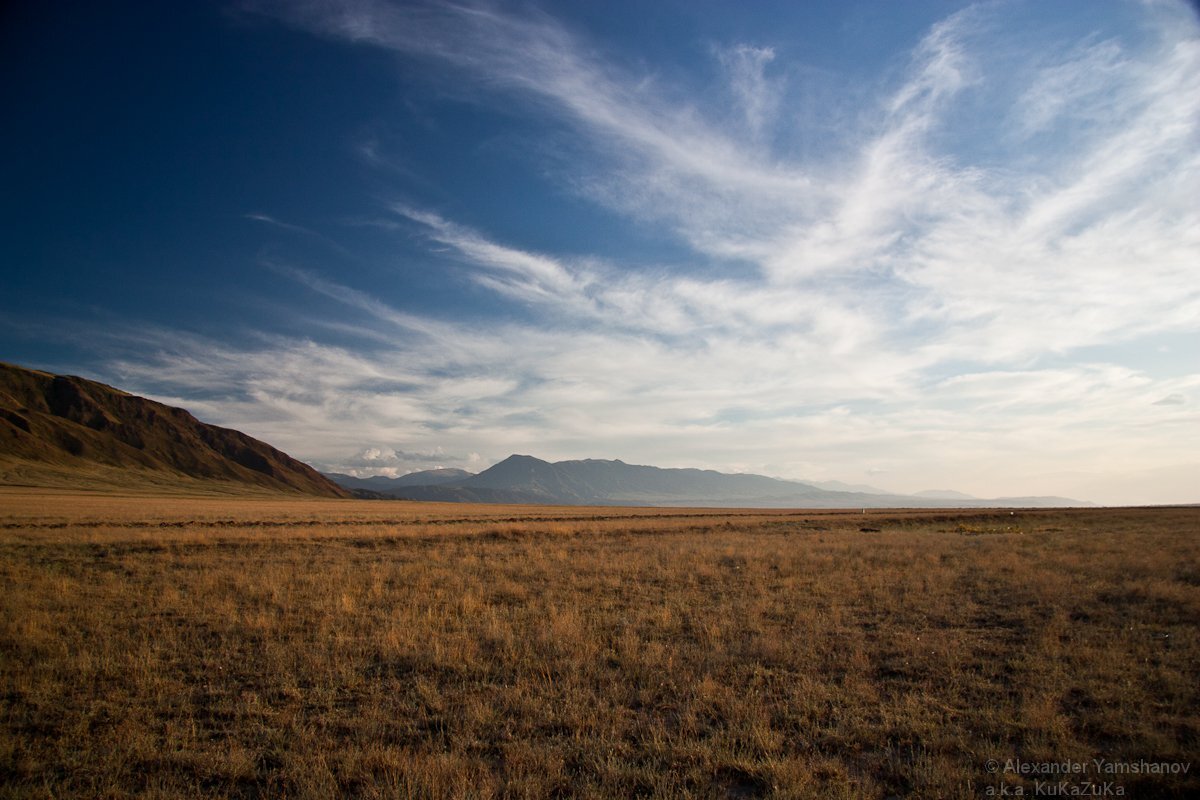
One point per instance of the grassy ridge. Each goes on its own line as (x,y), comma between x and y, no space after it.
(67,432)
(318,648)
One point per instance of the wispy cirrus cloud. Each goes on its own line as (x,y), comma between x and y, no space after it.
(755,94)
(519,274)
(912,297)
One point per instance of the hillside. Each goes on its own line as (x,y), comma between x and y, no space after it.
(58,430)
(525,479)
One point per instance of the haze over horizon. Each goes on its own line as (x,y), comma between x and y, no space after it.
(930,245)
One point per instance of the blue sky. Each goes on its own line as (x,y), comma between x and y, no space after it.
(917,245)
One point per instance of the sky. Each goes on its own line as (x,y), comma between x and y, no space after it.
(918,245)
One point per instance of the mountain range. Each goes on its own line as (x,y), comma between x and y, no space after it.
(525,479)
(65,431)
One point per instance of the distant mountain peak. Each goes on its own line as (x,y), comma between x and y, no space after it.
(519,458)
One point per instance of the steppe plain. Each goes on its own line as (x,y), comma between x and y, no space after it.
(271,646)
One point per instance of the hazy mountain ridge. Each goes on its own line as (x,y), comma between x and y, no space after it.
(944,494)
(526,479)
(61,430)
(840,486)
(382,483)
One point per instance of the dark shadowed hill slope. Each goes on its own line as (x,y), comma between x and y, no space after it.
(58,430)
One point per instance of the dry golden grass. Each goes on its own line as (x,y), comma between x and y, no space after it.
(163,647)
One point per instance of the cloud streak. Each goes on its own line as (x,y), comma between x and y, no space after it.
(913,298)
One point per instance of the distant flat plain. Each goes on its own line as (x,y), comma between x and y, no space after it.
(277,646)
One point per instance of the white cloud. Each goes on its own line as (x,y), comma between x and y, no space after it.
(905,309)
(1076,86)
(392,462)
(756,96)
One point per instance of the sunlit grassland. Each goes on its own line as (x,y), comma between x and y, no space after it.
(320,648)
